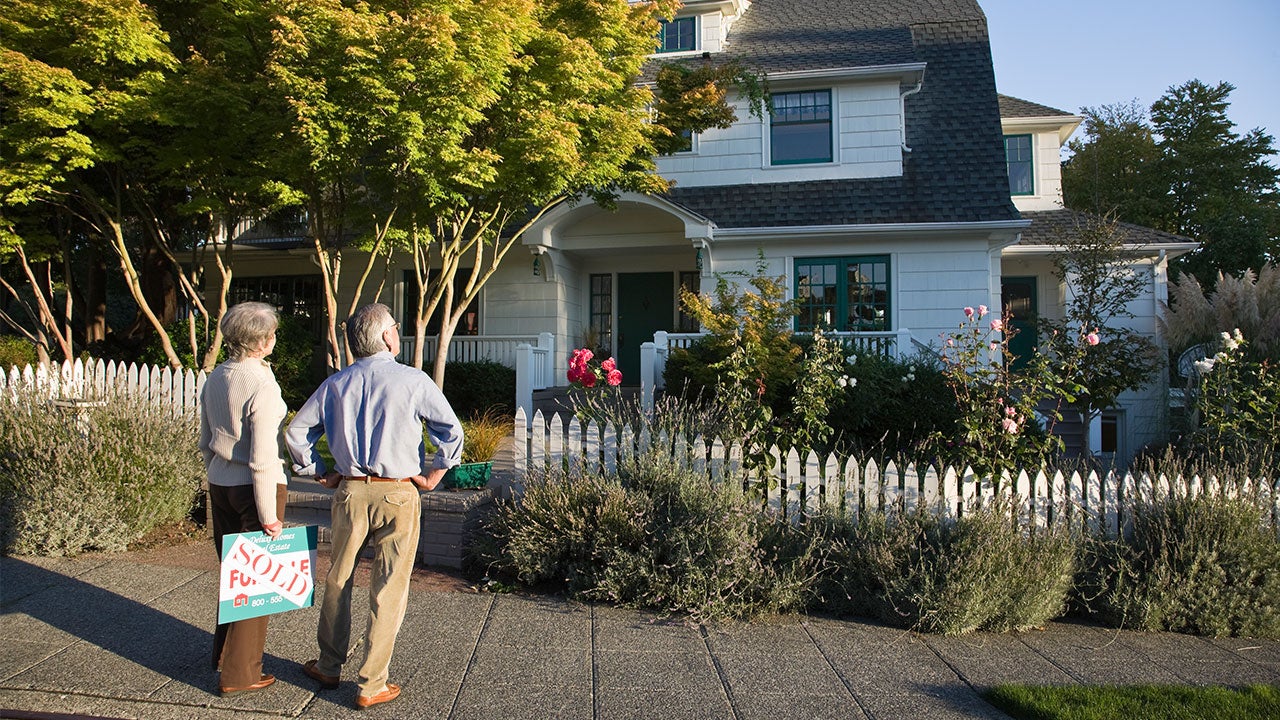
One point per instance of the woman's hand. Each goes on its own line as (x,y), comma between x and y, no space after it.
(273,530)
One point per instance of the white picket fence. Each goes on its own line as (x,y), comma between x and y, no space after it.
(802,485)
(100,381)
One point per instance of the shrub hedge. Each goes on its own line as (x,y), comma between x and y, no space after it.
(476,388)
(64,490)
(923,572)
(652,535)
(1206,566)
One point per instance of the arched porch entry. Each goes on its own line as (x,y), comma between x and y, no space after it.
(621,269)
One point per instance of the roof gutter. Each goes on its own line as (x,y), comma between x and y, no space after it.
(1161,251)
(952,228)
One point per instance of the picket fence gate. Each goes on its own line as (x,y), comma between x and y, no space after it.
(95,381)
(801,485)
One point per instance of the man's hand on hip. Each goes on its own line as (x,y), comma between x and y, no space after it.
(428,481)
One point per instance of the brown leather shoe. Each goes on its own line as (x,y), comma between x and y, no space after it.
(327,682)
(265,681)
(391,693)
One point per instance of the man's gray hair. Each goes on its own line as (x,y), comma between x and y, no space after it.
(247,327)
(365,328)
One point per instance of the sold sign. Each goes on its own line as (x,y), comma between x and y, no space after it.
(261,575)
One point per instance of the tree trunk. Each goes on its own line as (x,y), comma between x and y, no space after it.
(94,314)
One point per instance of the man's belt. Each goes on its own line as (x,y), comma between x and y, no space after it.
(373,478)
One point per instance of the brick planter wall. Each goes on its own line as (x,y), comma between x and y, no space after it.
(449,517)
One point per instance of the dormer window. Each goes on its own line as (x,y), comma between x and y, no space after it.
(678,35)
(800,128)
(1017,155)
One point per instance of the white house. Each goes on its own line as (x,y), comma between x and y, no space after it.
(879,185)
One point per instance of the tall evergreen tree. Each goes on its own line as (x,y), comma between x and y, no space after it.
(1184,171)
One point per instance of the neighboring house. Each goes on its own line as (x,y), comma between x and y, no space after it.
(879,186)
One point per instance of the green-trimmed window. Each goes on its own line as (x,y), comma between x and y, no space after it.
(849,293)
(800,127)
(1017,155)
(678,35)
(602,310)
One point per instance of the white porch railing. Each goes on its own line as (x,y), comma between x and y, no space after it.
(501,349)
(653,356)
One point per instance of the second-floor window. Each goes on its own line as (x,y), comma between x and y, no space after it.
(1017,154)
(678,35)
(800,128)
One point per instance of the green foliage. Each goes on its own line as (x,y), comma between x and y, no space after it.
(997,428)
(653,535)
(1102,284)
(476,388)
(16,352)
(63,492)
(890,408)
(981,572)
(1186,172)
(1239,404)
(1148,702)
(1205,566)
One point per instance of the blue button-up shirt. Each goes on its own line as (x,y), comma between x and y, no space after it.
(373,412)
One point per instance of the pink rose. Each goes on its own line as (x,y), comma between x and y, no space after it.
(608,365)
(588,379)
(997,325)
(1009,425)
(968,312)
(1091,338)
(982,310)
(614,378)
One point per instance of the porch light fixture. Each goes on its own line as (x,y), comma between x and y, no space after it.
(697,260)
(537,265)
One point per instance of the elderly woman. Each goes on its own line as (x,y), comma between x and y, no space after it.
(241,412)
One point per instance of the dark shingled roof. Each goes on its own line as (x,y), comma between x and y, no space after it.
(1012,107)
(1050,227)
(956,171)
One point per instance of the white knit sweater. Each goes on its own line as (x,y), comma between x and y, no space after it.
(241,412)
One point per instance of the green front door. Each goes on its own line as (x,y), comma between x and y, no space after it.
(1018,299)
(646,304)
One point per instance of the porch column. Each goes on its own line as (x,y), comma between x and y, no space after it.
(648,361)
(547,341)
(524,379)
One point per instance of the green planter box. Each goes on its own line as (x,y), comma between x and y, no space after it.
(468,476)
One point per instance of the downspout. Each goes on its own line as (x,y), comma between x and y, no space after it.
(902,116)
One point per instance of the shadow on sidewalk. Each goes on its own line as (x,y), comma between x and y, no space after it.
(59,610)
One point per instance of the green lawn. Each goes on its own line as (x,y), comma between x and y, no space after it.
(1138,702)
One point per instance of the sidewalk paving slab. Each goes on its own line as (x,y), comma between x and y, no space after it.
(111,636)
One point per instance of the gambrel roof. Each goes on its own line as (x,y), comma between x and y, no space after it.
(956,169)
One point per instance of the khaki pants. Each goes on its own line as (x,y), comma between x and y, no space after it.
(389,513)
(237,646)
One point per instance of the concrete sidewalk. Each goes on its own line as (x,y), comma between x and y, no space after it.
(113,636)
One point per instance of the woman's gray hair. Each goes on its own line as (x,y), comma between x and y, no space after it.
(365,328)
(247,327)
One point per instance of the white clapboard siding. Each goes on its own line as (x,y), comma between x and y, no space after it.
(800,484)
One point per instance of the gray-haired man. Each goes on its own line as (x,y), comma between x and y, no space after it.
(373,413)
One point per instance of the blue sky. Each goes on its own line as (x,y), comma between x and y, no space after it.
(1101,52)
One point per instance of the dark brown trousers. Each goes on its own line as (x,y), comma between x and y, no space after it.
(237,646)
